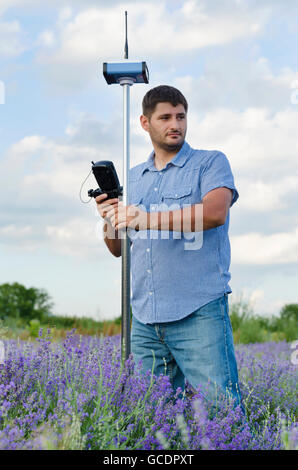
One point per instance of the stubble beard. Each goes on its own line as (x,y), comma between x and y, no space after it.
(170,148)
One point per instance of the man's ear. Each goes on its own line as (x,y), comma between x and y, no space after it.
(144,122)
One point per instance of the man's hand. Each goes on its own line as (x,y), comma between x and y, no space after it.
(121,216)
(111,236)
(105,205)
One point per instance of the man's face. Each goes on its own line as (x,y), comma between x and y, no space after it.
(167,126)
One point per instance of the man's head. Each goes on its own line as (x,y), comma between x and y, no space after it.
(162,94)
(164,117)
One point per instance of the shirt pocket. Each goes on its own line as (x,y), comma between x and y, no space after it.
(177,196)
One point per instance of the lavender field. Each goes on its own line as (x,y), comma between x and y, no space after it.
(76,395)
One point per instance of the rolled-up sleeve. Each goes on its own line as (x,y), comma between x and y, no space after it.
(217,173)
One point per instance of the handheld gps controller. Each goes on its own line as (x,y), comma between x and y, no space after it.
(107,179)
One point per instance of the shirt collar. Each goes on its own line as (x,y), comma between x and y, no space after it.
(178,160)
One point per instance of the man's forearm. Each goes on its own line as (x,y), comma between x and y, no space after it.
(194,218)
(112,239)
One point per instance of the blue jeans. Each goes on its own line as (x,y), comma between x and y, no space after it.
(198,348)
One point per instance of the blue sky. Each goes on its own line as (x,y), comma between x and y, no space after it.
(236,63)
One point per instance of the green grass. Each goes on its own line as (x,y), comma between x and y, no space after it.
(59,326)
(252,328)
(248,327)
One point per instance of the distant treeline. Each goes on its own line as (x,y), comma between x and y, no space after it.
(249,327)
(24,311)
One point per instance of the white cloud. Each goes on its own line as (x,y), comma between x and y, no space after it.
(258,301)
(64,15)
(89,37)
(48,172)
(45,170)
(28,145)
(271,307)
(15,232)
(247,298)
(23,238)
(231,81)
(46,38)
(12,42)
(78,237)
(5,5)
(262,196)
(92,32)
(256,296)
(49,175)
(256,248)
(260,144)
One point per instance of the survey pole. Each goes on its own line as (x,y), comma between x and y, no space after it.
(126,83)
(125,240)
(126,73)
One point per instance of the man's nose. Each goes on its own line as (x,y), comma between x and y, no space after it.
(175,124)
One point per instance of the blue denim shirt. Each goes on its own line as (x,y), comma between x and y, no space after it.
(173,277)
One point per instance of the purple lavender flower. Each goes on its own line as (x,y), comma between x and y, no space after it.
(76,394)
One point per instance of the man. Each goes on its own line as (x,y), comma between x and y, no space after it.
(179,289)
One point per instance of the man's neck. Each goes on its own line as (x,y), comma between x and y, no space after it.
(162,157)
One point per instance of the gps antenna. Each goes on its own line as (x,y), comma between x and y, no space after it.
(126,43)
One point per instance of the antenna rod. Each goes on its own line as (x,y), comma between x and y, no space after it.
(126,43)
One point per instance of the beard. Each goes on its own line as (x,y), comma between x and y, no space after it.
(174,147)
(171,147)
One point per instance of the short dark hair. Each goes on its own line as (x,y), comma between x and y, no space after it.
(162,94)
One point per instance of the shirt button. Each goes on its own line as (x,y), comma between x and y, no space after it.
(148,271)
(148,249)
(155,189)
(150,293)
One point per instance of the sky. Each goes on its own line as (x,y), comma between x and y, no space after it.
(236,63)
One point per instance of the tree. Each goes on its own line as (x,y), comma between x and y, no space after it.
(17,301)
(287,322)
(290,312)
